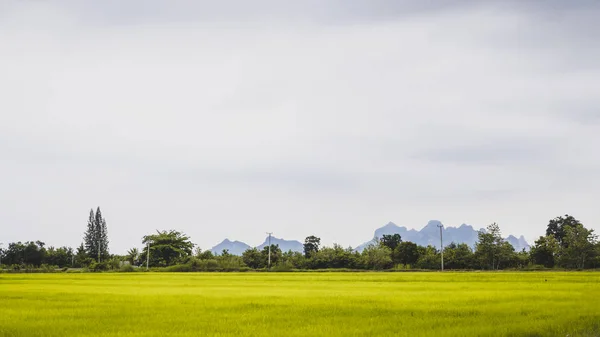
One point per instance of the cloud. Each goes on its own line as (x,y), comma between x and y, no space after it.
(225,120)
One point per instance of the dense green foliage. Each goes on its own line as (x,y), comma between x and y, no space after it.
(167,248)
(301,304)
(568,244)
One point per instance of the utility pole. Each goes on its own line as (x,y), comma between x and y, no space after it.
(269,249)
(442,243)
(148,257)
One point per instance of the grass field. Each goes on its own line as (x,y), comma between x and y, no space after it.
(301,304)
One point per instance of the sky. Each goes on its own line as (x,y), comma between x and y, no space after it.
(235,118)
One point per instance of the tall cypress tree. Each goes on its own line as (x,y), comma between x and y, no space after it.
(96,237)
(90,237)
(102,235)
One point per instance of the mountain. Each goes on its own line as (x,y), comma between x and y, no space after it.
(284,245)
(430,235)
(234,247)
(238,248)
(519,243)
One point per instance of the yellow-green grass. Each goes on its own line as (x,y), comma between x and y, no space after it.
(301,304)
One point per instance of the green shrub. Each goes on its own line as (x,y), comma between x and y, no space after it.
(178,268)
(127,268)
(211,265)
(98,266)
(283,267)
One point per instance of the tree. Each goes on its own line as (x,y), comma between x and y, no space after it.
(545,251)
(491,249)
(311,245)
(90,237)
(29,253)
(252,258)
(103,235)
(407,253)
(81,257)
(229,262)
(204,255)
(578,245)
(294,259)
(332,257)
(275,255)
(557,227)
(133,256)
(458,256)
(377,257)
(390,241)
(429,258)
(167,248)
(96,237)
(61,257)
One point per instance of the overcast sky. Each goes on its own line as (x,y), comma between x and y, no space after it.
(229,119)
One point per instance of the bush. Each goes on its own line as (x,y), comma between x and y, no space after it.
(283,267)
(113,264)
(98,266)
(48,268)
(178,268)
(211,265)
(127,268)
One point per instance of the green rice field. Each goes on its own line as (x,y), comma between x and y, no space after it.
(301,304)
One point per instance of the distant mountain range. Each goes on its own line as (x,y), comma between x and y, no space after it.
(428,235)
(237,247)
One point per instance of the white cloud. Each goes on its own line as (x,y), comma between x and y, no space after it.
(225,128)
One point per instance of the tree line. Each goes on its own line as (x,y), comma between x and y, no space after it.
(567,244)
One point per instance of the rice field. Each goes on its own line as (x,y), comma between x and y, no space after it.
(301,304)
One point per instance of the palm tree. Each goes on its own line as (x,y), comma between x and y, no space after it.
(133,255)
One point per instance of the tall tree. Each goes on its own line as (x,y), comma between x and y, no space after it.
(90,237)
(491,249)
(311,245)
(578,246)
(96,237)
(557,227)
(102,235)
